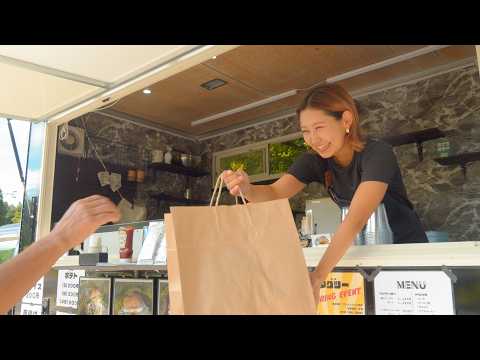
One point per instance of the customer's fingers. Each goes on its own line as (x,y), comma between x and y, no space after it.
(98,206)
(106,217)
(103,205)
(92,198)
(83,211)
(94,203)
(106,209)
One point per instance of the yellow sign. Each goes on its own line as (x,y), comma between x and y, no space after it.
(343,293)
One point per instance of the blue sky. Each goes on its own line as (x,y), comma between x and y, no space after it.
(10,183)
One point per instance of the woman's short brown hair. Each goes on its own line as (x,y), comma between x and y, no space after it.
(333,99)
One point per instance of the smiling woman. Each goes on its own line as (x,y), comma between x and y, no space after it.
(318,109)
(361,175)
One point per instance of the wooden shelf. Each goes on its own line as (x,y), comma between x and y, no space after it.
(173,199)
(130,184)
(417,137)
(178,169)
(459,159)
(414,137)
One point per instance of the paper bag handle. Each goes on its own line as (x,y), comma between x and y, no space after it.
(218,186)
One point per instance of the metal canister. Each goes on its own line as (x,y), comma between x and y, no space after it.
(378,231)
(140,176)
(132,175)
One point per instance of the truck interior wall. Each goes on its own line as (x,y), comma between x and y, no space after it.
(443,198)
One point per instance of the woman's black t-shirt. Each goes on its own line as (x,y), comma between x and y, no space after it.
(377,162)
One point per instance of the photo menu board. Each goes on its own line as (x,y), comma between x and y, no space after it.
(413,293)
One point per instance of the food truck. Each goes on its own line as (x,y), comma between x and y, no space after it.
(152,127)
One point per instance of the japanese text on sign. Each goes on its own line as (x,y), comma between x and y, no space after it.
(67,287)
(343,293)
(35,295)
(29,309)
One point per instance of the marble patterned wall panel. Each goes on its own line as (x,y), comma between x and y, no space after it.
(124,143)
(443,198)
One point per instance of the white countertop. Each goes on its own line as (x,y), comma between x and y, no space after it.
(426,254)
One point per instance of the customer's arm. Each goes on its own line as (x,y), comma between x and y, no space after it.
(83,217)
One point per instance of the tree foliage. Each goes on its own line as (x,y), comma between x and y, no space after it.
(9,214)
(282,155)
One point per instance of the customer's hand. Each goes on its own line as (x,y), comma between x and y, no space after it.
(236,181)
(83,217)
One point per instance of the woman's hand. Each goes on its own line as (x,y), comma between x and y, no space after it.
(236,181)
(316,287)
(316,278)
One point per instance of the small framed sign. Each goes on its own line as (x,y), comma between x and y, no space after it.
(94,296)
(35,294)
(342,293)
(30,309)
(133,297)
(413,293)
(67,287)
(163,303)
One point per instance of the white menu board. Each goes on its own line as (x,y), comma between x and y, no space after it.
(413,293)
(67,287)
(30,309)
(35,295)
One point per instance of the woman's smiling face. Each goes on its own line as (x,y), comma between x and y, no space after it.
(322,132)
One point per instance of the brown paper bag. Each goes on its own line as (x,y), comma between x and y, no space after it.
(174,285)
(240,259)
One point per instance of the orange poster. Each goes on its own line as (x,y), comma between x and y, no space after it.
(343,293)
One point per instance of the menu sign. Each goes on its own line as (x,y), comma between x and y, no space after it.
(343,293)
(30,309)
(67,287)
(35,294)
(413,293)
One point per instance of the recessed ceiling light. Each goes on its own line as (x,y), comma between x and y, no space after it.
(147,91)
(214,57)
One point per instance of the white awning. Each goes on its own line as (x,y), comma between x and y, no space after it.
(42,81)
